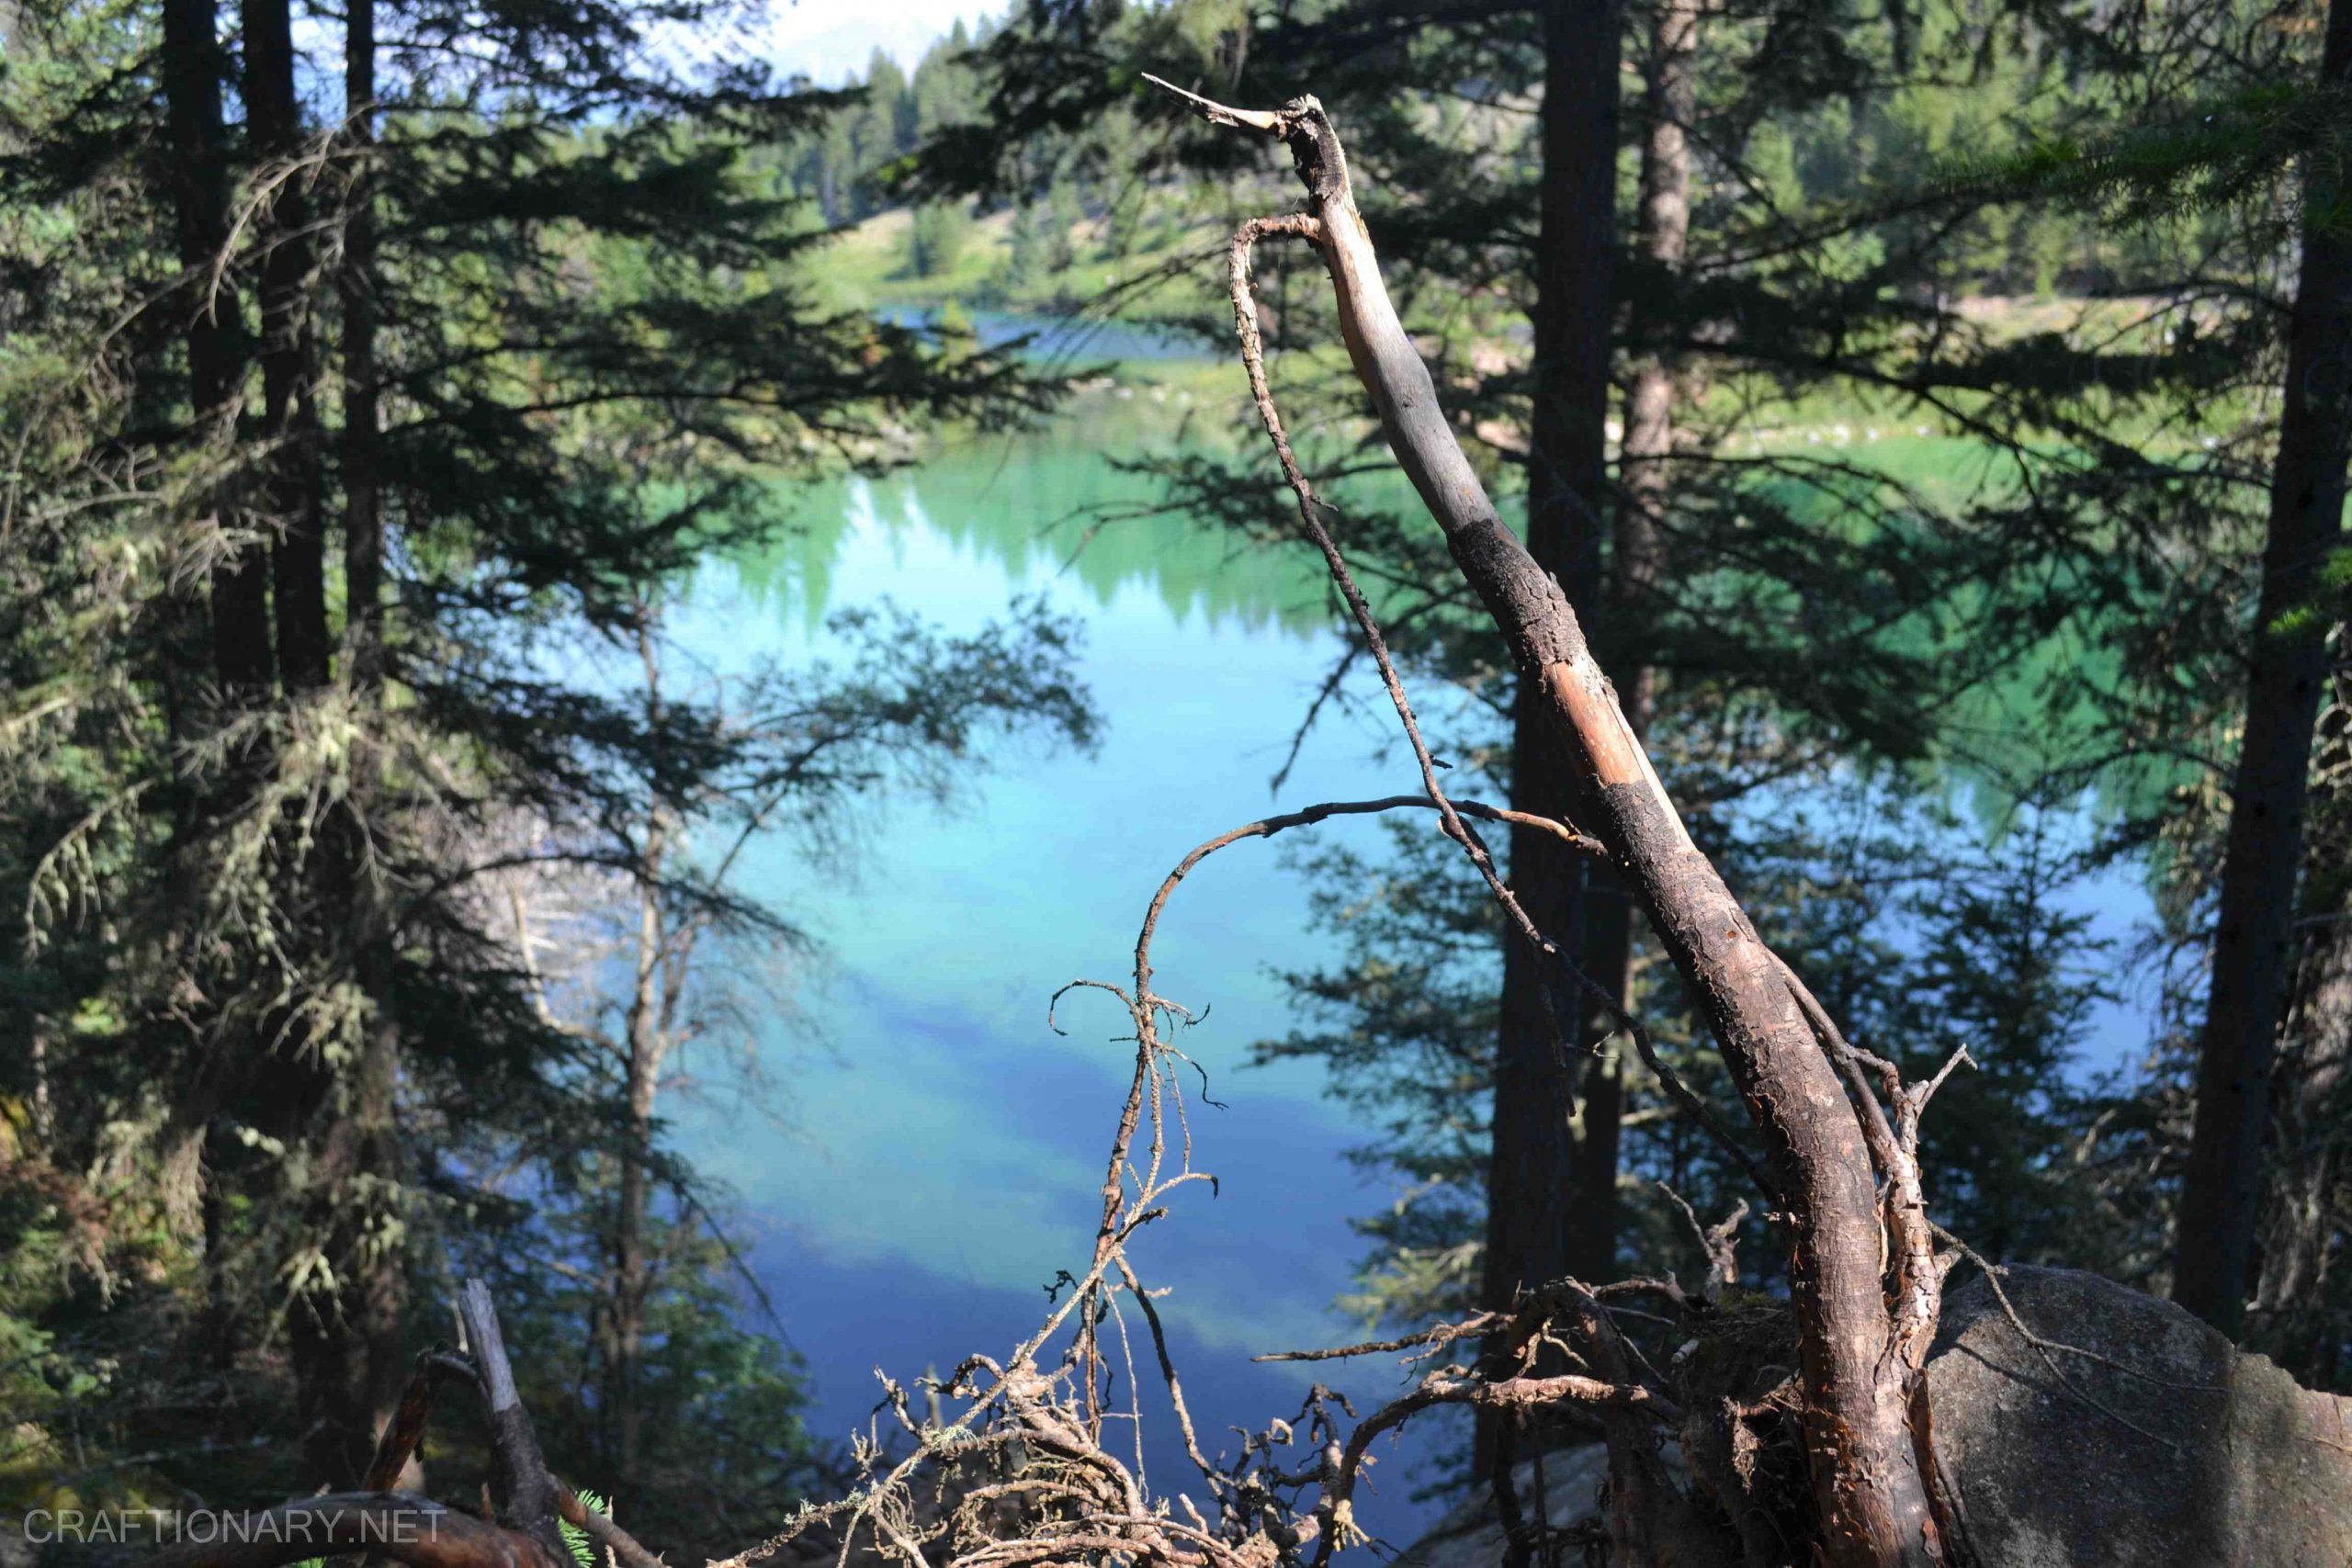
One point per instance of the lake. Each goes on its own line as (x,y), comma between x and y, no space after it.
(933,1155)
(937,1151)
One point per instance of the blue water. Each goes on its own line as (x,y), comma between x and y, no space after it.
(930,1153)
(933,1152)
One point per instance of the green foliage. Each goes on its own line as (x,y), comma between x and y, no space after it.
(582,1550)
(937,238)
(1914,536)
(279,1062)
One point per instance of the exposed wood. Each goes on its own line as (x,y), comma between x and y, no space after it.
(527,1493)
(1858,1384)
(403,1435)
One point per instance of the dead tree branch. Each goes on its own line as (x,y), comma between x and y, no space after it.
(1858,1376)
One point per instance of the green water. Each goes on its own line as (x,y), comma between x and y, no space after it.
(1055,506)
(935,1152)
(938,1150)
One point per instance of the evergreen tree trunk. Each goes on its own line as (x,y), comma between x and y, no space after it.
(1663,233)
(377,1302)
(633,1268)
(290,422)
(193,66)
(363,503)
(1533,1180)
(1662,226)
(2296,1319)
(2220,1197)
(343,1325)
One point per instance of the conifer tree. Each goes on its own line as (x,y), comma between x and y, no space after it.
(455,327)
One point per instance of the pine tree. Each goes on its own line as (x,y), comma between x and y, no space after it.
(256,795)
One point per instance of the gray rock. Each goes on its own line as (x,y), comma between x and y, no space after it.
(2164,1447)
(2173,1450)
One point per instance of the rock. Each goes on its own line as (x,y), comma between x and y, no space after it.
(2176,1451)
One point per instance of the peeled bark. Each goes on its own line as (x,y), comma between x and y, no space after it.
(2221,1198)
(1858,1382)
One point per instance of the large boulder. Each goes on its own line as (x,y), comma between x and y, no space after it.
(2163,1447)
(2148,1441)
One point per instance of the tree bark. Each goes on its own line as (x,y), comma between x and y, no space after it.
(288,428)
(1859,1381)
(1662,225)
(2294,1319)
(2299,1238)
(2221,1199)
(345,1337)
(363,503)
(1544,1197)
(193,66)
(633,1268)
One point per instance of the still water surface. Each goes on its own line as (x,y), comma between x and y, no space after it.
(939,1150)
(936,1150)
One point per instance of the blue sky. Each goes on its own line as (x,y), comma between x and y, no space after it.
(828,40)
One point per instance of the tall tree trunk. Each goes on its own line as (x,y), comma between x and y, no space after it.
(1860,1357)
(1531,1174)
(344,1327)
(2220,1199)
(2295,1319)
(632,1267)
(343,1336)
(193,66)
(289,420)
(362,500)
(377,1299)
(1661,232)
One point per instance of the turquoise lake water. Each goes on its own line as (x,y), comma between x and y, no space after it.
(932,1153)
